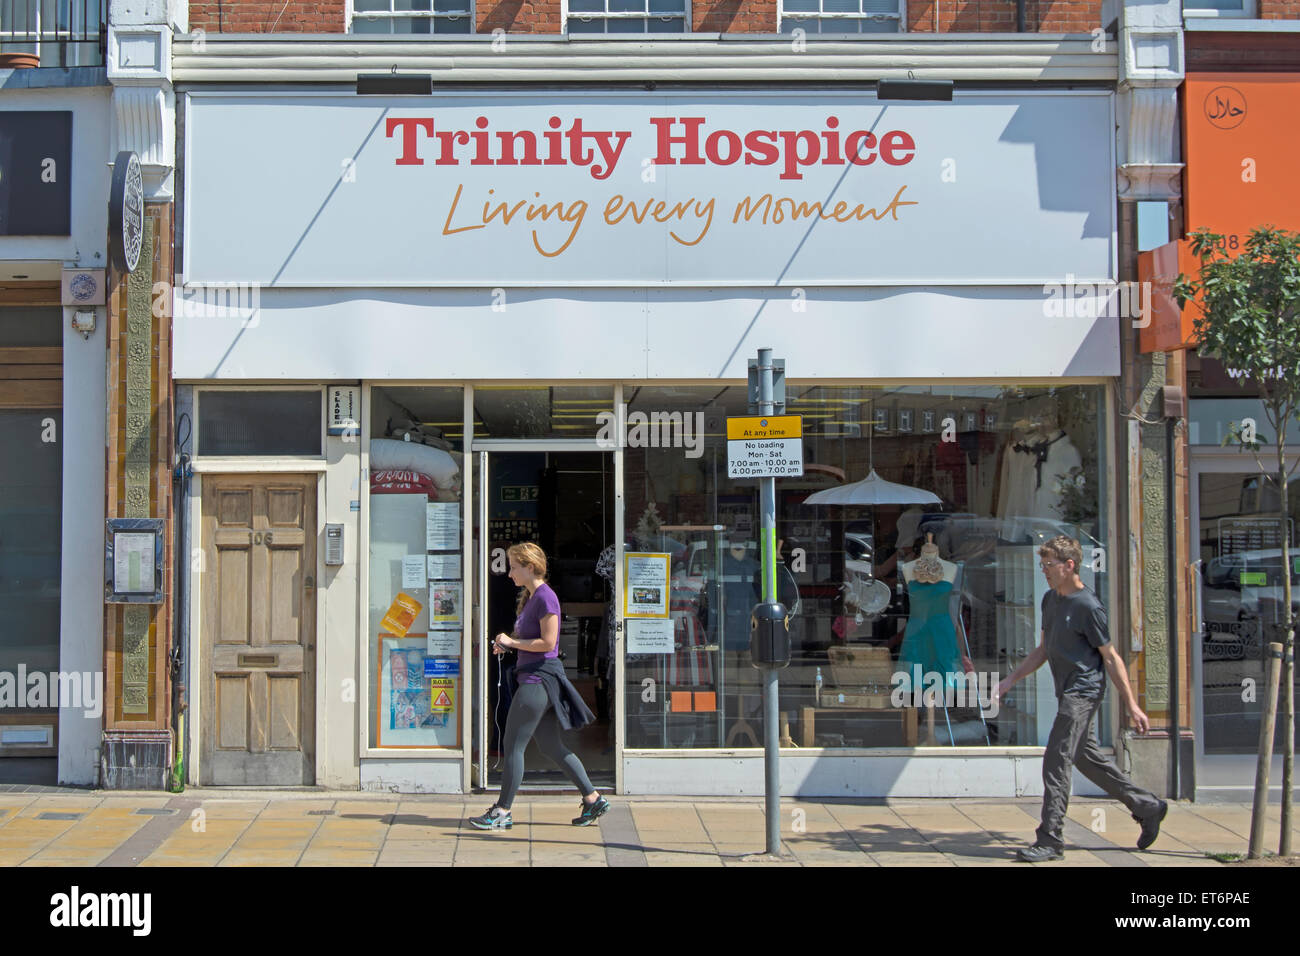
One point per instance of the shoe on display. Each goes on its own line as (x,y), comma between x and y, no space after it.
(591,812)
(495,819)
(1039,853)
(1151,826)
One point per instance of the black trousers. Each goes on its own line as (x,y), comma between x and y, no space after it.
(1073,742)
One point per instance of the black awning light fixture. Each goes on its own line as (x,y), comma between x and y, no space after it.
(394,84)
(914,89)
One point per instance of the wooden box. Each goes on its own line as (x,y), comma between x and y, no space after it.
(855,667)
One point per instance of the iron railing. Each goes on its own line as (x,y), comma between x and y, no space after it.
(60,32)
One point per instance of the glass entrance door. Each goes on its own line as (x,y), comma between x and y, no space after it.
(1240,600)
(564,502)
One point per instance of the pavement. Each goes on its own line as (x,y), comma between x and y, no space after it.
(221,827)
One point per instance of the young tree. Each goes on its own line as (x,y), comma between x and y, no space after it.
(1250,320)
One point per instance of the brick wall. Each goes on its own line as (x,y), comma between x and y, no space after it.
(999,16)
(733,16)
(1279,9)
(707,16)
(259,16)
(519,16)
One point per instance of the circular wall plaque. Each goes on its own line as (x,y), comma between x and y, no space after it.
(126,212)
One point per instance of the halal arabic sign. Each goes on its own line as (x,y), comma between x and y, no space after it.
(126,212)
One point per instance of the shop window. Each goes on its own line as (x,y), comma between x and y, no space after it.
(413,17)
(543,411)
(417,603)
(264,423)
(841,16)
(627,16)
(1009,467)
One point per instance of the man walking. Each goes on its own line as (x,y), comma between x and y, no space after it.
(1076,643)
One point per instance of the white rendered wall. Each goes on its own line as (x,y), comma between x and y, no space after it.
(87,246)
(833,333)
(81,600)
(969,773)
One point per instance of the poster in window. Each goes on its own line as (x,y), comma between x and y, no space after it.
(442,526)
(413,710)
(444,602)
(645,584)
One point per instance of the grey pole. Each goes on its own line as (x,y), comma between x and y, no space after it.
(771,718)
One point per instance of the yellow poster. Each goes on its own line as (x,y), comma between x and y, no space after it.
(401,614)
(442,694)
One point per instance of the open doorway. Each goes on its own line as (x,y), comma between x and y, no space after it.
(564,502)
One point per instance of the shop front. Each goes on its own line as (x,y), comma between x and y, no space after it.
(53,289)
(1234,127)
(428,329)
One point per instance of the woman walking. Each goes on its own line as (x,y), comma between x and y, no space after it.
(544,702)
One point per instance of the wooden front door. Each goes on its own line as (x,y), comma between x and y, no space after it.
(258,630)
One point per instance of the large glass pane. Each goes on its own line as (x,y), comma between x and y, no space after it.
(31,520)
(1242,601)
(259,423)
(417,582)
(1002,470)
(542,411)
(1208,421)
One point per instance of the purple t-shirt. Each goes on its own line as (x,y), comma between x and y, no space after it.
(528,627)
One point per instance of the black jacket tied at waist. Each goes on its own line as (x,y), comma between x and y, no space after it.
(570,709)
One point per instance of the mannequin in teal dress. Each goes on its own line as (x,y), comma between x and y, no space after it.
(930,641)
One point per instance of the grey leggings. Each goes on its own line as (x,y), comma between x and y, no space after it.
(531,716)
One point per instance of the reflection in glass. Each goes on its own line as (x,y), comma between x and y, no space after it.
(1010,467)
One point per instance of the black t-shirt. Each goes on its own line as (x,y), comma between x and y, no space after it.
(1073,628)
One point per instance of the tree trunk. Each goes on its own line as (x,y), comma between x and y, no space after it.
(1288,652)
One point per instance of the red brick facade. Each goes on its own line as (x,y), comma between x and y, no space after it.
(1279,9)
(268,16)
(519,16)
(999,16)
(707,16)
(733,16)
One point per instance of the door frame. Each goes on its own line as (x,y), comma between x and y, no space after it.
(306,468)
(478,454)
(1204,460)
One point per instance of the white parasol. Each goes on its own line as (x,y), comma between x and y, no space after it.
(873,597)
(873,490)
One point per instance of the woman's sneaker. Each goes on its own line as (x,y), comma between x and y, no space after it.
(591,811)
(494,819)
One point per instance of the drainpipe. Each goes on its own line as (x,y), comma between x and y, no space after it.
(180,653)
(1020,16)
(1173,397)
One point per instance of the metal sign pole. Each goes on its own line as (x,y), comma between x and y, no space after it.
(771,718)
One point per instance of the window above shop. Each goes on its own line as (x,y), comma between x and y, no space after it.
(841,16)
(413,17)
(627,16)
(270,422)
(1245,9)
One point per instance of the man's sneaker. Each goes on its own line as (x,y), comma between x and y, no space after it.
(1151,826)
(1039,853)
(591,811)
(494,819)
